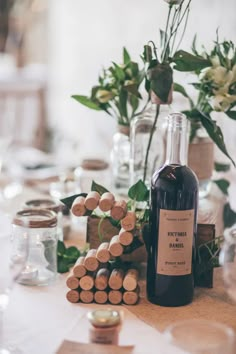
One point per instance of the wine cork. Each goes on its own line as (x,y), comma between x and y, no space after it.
(131,297)
(130,281)
(129,221)
(106,202)
(90,262)
(101,280)
(119,209)
(73,296)
(72,282)
(115,247)
(78,207)
(115,297)
(86,282)
(125,237)
(79,269)
(86,296)
(115,281)
(103,254)
(100,296)
(92,200)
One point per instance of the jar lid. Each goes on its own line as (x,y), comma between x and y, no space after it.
(35,218)
(104,318)
(48,204)
(94,164)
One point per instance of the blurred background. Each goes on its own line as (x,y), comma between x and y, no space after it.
(56,48)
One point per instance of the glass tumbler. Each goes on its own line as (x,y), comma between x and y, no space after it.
(199,336)
(41,266)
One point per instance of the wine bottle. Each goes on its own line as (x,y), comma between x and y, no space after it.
(173,215)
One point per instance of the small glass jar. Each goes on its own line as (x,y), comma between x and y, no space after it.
(120,159)
(143,165)
(92,170)
(52,205)
(105,326)
(41,267)
(201,159)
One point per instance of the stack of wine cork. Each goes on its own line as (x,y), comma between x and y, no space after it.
(91,278)
(93,281)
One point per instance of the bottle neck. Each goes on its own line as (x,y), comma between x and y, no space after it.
(177,139)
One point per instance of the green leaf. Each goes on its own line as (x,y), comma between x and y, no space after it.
(123,97)
(215,134)
(223,185)
(61,249)
(69,200)
(62,266)
(231,114)
(119,72)
(229,216)
(72,252)
(147,53)
(134,101)
(139,192)
(98,188)
(185,61)
(161,79)
(133,89)
(126,56)
(179,88)
(86,101)
(221,167)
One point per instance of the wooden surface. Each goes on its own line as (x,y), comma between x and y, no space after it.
(211,304)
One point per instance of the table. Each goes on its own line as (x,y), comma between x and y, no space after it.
(38,319)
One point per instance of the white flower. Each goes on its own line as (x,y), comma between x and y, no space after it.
(221,103)
(104,96)
(174,2)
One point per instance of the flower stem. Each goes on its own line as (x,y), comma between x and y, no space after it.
(150,141)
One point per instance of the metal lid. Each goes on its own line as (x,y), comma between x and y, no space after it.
(94,164)
(104,318)
(48,204)
(35,218)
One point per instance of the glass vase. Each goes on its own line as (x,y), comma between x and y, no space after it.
(145,159)
(120,156)
(201,160)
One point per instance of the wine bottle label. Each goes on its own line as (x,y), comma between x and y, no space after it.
(175,241)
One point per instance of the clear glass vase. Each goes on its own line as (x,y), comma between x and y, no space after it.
(142,166)
(120,156)
(201,160)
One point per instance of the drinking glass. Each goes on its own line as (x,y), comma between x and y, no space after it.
(199,336)
(12,260)
(228,261)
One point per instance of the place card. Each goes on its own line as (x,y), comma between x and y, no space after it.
(69,347)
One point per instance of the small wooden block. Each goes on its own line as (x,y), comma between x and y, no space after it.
(100,296)
(101,280)
(103,254)
(73,296)
(115,248)
(129,221)
(130,281)
(86,296)
(125,237)
(115,281)
(92,200)
(78,207)
(106,202)
(79,269)
(115,297)
(87,282)
(119,210)
(91,263)
(72,282)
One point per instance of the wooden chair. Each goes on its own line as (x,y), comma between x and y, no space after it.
(23,110)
